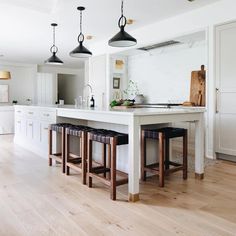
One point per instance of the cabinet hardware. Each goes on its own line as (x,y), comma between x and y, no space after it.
(31,124)
(46,114)
(18,122)
(31,113)
(46,128)
(216,102)
(19,111)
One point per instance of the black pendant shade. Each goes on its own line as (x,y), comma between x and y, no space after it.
(81,51)
(54,60)
(122,39)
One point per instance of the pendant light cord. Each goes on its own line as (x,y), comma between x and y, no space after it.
(54,48)
(122,8)
(122,21)
(81,36)
(53,36)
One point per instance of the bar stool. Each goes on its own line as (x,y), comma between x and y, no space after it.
(162,168)
(111,139)
(59,157)
(77,162)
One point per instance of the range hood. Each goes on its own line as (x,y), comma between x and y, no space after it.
(160,45)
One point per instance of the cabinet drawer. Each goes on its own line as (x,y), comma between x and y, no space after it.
(31,114)
(18,111)
(47,115)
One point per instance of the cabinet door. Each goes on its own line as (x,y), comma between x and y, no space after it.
(226,89)
(20,127)
(32,133)
(44,133)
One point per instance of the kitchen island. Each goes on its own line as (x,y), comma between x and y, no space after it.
(134,119)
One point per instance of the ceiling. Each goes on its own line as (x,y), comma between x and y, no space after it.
(26,34)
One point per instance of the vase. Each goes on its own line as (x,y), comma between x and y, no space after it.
(139,99)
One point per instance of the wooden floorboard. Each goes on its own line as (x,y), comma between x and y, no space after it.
(38,200)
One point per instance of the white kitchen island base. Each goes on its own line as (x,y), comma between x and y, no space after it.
(32,122)
(134,119)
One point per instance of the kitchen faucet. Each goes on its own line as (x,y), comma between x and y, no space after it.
(90,90)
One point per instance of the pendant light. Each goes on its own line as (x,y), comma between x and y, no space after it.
(54,60)
(122,39)
(81,51)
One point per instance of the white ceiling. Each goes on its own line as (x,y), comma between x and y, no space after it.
(26,34)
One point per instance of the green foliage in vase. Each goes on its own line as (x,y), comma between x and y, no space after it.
(131,90)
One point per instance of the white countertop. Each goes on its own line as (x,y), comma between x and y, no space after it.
(128,111)
(6,107)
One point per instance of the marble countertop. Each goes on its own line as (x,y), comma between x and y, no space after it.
(128,111)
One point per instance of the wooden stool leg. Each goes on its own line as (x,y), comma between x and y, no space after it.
(113,169)
(63,150)
(49,147)
(167,154)
(104,162)
(89,162)
(143,156)
(185,155)
(161,159)
(67,151)
(83,141)
(109,161)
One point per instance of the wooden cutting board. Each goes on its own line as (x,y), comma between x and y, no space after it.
(198,87)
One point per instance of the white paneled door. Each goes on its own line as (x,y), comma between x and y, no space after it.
(46,88)
(226,89)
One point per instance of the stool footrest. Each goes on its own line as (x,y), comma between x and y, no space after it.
(75,160)
(174,163)
(107,181)
(174,169)
(154,168)
(100,169)
(74,155)
(56,156)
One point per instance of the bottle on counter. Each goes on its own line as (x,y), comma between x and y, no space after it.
(92,102)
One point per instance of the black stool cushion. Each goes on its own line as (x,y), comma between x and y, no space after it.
(169,132)
(77,130)
(104,136)
(58,127)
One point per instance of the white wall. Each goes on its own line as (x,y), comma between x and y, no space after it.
(121,73)
(70,86)
(164,75)
(22,83)
(98,79)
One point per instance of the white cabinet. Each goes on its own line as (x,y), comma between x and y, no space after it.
(226,89)
(6,119)
(31,125)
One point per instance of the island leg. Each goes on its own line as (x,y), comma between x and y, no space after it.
(134,159)
(199,148)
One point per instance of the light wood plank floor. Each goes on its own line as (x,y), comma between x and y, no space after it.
(38,200)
